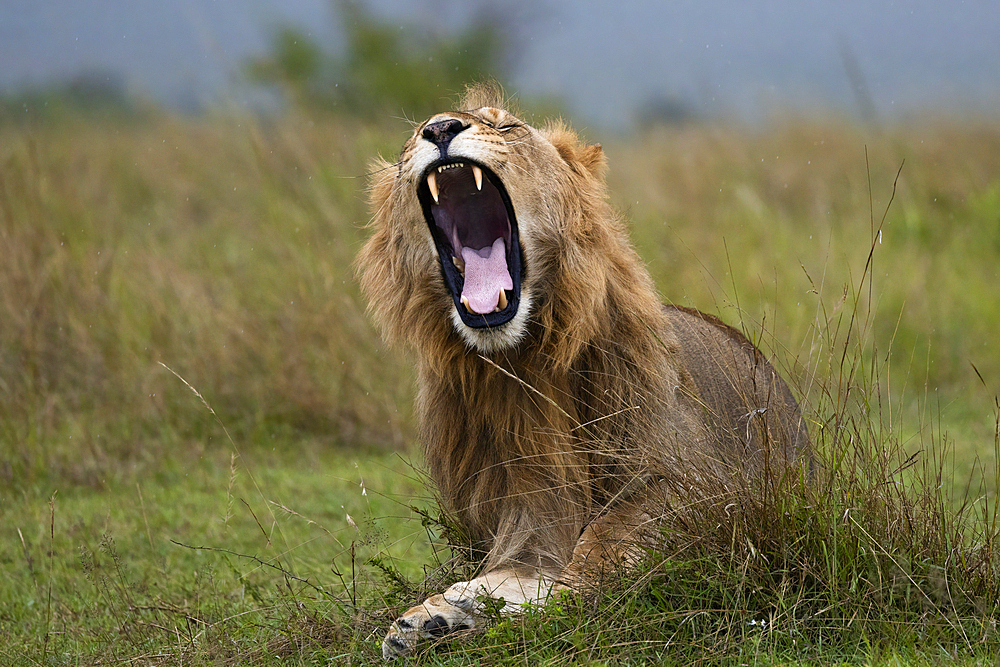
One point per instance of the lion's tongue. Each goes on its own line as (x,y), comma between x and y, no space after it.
(485,275)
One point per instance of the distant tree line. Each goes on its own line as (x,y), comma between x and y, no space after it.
(384,67)
(94,92)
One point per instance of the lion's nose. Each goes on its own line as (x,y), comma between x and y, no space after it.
(442,132)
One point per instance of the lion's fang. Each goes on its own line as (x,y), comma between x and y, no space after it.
(501,304)
(459,264)
(432,185)
(432,178)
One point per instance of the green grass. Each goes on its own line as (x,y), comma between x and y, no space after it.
(206,560)
(145,523)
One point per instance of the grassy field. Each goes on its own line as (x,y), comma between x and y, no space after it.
(205,450)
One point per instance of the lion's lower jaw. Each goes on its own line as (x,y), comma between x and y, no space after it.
(497,339)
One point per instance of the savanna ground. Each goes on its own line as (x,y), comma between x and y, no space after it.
(208,457)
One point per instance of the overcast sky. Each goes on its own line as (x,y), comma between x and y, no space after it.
(605,59)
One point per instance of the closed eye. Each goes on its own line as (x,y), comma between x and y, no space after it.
(505,125)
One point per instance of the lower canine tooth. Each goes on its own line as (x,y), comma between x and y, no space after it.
(503,300)
(465,302)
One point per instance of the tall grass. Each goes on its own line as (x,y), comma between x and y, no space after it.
(772,229)
(222,249)
(218,247)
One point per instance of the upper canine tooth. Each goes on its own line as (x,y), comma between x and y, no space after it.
(478,173)
(432,185)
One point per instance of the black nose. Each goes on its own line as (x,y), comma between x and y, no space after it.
(442,132)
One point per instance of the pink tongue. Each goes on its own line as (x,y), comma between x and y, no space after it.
(485,275)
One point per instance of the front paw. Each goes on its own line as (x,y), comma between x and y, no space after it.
(433,619)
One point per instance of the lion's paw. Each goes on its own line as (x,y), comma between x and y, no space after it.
(462,607)
(437,616)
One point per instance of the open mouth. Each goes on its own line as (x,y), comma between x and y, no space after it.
(472,221)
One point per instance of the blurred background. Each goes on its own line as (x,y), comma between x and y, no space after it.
(609,64)
(182,185)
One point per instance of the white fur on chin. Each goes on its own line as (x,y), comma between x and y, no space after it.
(488,340)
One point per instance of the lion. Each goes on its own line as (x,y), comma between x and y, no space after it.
(560,404)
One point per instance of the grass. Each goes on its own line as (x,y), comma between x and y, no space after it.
(144,523)
(206,560)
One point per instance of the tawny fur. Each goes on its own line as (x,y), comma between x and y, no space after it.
(606,393)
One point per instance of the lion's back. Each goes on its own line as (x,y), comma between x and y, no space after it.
(748,408)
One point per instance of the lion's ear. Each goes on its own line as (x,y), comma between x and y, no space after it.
(592,157)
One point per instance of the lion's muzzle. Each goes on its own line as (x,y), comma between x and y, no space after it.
(472,221)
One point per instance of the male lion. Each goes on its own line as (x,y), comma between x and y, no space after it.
(561,406)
